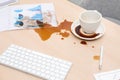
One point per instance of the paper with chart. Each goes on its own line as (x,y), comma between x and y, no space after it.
(27,16)
(111,75)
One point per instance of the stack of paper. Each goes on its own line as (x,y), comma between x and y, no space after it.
(111,75)
(27,16)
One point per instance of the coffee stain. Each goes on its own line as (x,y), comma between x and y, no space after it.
(93,46)
(78,31)
(83,42)
(47,30)
(62,38)
(74,42)
(96,57)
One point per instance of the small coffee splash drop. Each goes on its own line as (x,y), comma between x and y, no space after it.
(96,57)
(62,38)
(74,43)
(93,46)
(83,42)
(47,30)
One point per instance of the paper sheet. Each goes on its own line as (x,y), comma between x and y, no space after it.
(7,2)
(2,1)
(29,13)
(110,75)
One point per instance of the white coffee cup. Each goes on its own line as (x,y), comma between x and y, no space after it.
(90,20)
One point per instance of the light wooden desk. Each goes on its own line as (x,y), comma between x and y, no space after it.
(84,66)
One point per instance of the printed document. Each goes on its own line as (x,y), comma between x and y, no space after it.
(110,75)
(27,16)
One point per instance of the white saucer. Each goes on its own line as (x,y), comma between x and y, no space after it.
(100,30)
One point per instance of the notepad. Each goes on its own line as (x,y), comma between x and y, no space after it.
(110,75)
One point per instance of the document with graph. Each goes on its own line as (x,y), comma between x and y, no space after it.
(27,16)
(110,75)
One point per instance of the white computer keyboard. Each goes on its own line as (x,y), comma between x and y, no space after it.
(35,63)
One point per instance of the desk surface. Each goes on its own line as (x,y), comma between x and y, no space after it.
(69,48)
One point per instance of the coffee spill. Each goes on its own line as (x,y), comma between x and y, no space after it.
(96,57)
(47,30)
(83,42)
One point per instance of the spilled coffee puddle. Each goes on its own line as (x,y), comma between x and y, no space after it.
(62,29)
(47,30)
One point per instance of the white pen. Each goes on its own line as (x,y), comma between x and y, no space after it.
(101,58)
